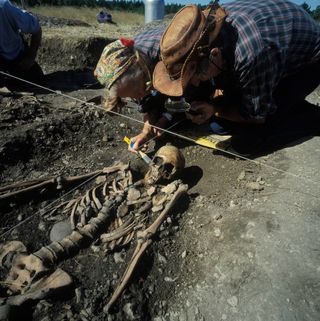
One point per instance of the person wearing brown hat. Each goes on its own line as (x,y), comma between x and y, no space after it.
(264,56)
(125,69)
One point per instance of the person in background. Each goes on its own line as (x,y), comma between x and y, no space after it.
(104,17)
(264,56)
(16,56)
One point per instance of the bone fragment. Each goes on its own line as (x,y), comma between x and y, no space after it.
(58,281)
(72,215)
(117,233)
(96,199)
(139,201)
(151,190)
(133,194)
(157,208)
(170,188)
(159,199)
(10,248)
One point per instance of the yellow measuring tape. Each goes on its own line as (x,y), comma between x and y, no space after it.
(212,141)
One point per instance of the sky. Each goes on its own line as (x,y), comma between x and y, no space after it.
(312,3)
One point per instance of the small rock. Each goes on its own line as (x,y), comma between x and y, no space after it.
(158,319)
(232,204)
(118,257)
(128,311)
(95,248)
(242,176)
(133,194)
(69,314)
(184,254)
(233,301)
(60,230)
(78,293)
(151,288)
(255,186)
(162,259)
(217,232)
(42,226)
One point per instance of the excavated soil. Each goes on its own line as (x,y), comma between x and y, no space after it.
(47,134)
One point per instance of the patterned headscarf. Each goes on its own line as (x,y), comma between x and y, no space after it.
(115,60)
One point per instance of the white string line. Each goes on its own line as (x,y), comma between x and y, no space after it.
(49,207)
(165,130)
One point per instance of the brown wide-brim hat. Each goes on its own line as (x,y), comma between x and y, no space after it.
(189,29)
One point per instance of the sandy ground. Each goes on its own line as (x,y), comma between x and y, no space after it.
(260,261)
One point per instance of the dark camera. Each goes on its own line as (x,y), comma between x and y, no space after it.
(177,105)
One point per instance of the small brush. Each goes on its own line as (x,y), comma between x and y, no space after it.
(144,156)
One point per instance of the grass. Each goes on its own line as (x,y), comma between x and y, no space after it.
(88,15)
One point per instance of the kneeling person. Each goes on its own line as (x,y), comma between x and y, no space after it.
(125,68)
(16,56)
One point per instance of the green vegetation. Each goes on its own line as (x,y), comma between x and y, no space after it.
(116,5)
(88,15)
(124,5)
(314,13)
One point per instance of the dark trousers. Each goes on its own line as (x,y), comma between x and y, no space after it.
(34,74)
(295,118)
(293,90)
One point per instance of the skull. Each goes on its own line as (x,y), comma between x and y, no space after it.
(166,163)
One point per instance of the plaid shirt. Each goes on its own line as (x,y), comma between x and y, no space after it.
(148,42)
(274,38)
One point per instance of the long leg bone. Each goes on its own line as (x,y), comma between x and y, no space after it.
(144,240)
(57,182)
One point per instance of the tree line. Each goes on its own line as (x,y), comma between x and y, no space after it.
(131,5)
(314,13)
(120,5)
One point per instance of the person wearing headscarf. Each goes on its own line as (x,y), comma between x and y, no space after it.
(125,69)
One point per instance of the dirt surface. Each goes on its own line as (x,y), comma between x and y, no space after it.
(238,247)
